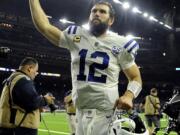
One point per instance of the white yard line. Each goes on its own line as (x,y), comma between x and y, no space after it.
(62,123)
(56,132)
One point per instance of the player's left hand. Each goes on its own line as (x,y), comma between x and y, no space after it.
(125,102)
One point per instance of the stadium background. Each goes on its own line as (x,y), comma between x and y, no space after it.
(158,57)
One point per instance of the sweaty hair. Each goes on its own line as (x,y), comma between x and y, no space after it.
(28,61)
(111,9)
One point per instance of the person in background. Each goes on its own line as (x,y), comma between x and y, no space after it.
(151,106)
(71,112)
(20,103)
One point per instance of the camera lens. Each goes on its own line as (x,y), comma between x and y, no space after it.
(53,107)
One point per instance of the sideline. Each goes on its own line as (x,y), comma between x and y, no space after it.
(51,131)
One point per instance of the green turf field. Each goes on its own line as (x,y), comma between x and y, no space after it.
(57,124)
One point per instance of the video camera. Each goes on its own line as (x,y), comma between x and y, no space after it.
(52,106)
(172,109)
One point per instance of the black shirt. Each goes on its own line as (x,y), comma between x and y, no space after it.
(25,95)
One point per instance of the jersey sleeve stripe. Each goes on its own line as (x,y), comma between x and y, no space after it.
(134,46)
(128,43)
(131,45)
(69,29)
(72,29)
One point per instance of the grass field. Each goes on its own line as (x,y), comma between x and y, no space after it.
(57,124)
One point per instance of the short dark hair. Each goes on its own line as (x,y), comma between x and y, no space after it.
(111,9)
(28,61)
(153,90)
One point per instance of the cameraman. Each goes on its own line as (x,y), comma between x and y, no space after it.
(151,105)
(20,103)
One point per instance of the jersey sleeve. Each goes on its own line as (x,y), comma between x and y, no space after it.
(68,36)
(129,51)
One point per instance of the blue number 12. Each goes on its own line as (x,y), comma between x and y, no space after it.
(91,76)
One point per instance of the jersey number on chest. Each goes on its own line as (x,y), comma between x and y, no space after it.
(92,68)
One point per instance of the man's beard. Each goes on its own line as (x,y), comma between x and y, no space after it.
(98,29)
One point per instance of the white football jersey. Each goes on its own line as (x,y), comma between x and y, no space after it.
(95,66)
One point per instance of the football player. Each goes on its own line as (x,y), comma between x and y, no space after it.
(97,57)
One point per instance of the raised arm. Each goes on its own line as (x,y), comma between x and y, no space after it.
(42,24)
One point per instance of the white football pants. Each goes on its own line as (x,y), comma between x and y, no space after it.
(93,121)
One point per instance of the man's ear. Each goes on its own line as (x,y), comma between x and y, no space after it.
(111,21)
(29,68)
